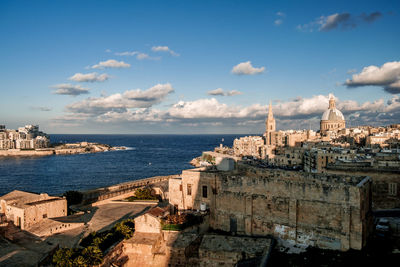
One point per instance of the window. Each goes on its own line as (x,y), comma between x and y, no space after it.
(204,191)
(180,187)
(189,189)
(45,216)
(393,189)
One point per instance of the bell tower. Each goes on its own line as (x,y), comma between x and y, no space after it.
(269,125)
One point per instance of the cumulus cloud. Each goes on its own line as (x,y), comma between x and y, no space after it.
(221,92)
(339,21)
(386,76)
(136,106)
(212,109)
(111,63)
(121,102)
(246,68)
(164,49)
(70,89)
(89,77)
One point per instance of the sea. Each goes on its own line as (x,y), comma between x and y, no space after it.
(145,156)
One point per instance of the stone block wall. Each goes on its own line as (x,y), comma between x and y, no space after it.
(321,210)
(50,208)
(309,209)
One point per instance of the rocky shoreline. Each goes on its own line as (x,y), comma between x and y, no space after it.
(61,149)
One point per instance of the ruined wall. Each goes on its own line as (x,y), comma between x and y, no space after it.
(305,208)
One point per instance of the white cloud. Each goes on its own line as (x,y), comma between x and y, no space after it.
(111,63)
(121,102)
(335,20)
(233,92)
(218,91)
(280,18)
(280,14)
(221,92)
(164,49)
(245,68)
(155,93)
(89,77)
(139,55)
(127,53)
(70,89)
(386,76)
(138,106)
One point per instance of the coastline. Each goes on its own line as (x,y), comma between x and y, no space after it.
(64,149)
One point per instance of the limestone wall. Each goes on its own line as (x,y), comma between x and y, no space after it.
(327,211)
(382,198)
(50,208)
(306,209)
(147,224)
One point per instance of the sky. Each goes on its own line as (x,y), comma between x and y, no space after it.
(196,67)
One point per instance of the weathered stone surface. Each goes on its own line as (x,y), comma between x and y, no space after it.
(327,211)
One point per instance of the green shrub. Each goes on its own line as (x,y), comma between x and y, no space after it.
(95,244)
(142,194)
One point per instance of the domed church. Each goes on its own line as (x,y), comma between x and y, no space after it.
(332,119)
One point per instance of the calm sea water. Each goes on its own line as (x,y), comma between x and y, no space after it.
(148,155)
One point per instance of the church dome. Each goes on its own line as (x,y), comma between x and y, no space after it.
(332,115)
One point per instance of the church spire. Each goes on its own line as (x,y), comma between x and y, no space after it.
(270,114)
(269,126)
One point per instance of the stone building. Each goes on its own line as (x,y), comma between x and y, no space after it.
(27,137)
(288,157)
(332,119)
(26,209)
(327,211)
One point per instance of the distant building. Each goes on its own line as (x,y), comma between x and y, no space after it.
(26,209)
(332,119)
(25,138)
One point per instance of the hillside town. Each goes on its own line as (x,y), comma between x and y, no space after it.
(262,200)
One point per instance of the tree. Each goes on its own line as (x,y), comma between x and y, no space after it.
(73,197)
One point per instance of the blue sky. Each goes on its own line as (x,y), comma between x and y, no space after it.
(293,53)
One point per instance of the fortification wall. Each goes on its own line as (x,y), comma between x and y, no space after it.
(309,209)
